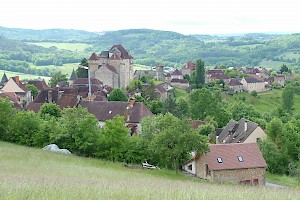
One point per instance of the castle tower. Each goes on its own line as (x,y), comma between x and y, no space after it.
(93,63)
(73,77)
(159,72)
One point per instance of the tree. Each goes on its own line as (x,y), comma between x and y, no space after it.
(81,72)
(170,106)
(7,113)
(149,92)
(33,89)
(50,109)
(155,106)
(288,98)
(169,140)
(200,73)
(274,130)
(117,95)
(284,68)
(253,93)
(183,108)
(113,139)
(134,84)
(58,77)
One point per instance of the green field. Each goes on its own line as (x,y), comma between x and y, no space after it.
(65,68)
(65,46)
(28,173)
(273,64)
(265,101)
(22,76)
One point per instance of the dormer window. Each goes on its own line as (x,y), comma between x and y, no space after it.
(240,158)
(219,160)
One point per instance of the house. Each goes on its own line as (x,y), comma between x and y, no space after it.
(242,131)
(114,67)
(176,74)
(13,98)
(213,74)
(161,92)
(133,112)
(188,69)
(40,85)
(277,79)
(16,86)
(253,83)
(235,86)
(238,163)
(180,83)
(158,73)
(223,77)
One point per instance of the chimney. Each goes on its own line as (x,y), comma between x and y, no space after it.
(246,126)
(49,96)
(17,78)
(132,101)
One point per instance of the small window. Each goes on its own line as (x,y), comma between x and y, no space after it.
(219,160)
(240,158)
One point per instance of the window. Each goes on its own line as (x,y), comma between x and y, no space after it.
(219,160)
(240,158)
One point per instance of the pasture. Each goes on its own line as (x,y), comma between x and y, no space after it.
(28,173)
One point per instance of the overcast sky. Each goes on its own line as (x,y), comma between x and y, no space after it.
(186,16)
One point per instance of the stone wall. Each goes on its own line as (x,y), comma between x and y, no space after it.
(238,176)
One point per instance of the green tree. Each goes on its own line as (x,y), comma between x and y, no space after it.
(23,127)
(81,72)
(58,77)
(288,98)
(117,95)
(114,138)
(284,68)
(33,89)
(7,113)
(172,141)
(200,74)
(149,92)
(183,108)
(155,106)
(134,84)
(274,130)
(253,93)
(50,109)
(169,105)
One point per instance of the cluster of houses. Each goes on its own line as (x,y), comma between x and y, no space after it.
(235,158)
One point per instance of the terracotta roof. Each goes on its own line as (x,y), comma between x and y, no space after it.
(41,85)
(250,153)
(42,97)
(196,123)
(124,52)
(104,110)
(13,98)
(215,71)
(85,81)
(68,100)
(279,78)
(93,57)
(190,65)
(220,76)
(234,82)
(176,80)
(35,107)
(73,76)
(176,72)
(237,131)
(115,56)
(252,79)
(160,88)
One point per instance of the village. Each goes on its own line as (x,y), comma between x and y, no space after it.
(233,153)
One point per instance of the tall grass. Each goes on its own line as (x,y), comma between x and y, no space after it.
(27,173)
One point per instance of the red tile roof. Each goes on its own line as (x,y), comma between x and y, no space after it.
(93,56)
(68,100)
(85,81)
(124,52)
(190,65)
(250,153)
(176,72)
(234,82)
(104,110)
(252,79)
(41,85)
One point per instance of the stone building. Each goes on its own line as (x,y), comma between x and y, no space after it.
(253,83)
(238,163)
(114,67)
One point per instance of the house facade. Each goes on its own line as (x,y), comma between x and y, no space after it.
(16,86)
(252,83)
(114,67)
(235,86)
(239,163)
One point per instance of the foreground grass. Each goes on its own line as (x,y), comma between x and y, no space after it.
(27,173)
(283,179)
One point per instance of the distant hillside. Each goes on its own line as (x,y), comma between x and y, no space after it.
(62,35)
(152,47)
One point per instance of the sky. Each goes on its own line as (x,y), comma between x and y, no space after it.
(186,16)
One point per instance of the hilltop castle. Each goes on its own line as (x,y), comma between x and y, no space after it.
(114,67)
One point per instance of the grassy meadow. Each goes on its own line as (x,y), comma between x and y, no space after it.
(22,76)
(28,173)
(265,101)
